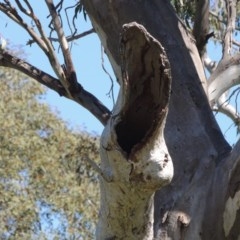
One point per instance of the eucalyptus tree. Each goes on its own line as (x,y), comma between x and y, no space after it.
(166,171)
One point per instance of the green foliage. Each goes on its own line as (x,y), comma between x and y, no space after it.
(42,167)
(78,9)
(186,9)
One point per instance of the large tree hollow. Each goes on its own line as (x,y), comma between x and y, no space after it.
(135,124)
(145,86)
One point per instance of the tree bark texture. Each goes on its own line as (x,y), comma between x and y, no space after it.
(204,192)
(135,159)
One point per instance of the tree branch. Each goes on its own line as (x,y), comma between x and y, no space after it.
(209,64)
(42,41)
(66,84)
(70,70)
(69,38)
(82,97)
(12,13)
(231,18)
(226,75)
(106,176)
(226,108)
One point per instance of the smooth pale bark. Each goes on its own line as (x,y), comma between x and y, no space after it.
(196,203)
(134,155)
(224,77)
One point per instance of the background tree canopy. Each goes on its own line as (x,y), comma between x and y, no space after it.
(46,187)
(216,21)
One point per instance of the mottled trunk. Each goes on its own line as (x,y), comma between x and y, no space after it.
(202,201)
(135,159)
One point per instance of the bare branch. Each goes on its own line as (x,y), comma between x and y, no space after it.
(69,25)
(69,38)
(226,108)
(82,97)
(106,176)
(105,70)
(22,8)
(71,73)
(223,78)
(231,18)
(77,36)
(42,41)
(12,13)
(209,64)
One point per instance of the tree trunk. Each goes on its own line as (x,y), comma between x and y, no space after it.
(202,201)
(135,159)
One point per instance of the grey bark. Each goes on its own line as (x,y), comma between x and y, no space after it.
(193,206)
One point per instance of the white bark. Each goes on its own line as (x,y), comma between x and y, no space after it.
(226,76)
(133,152)
(224,80)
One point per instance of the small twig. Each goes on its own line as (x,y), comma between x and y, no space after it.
(236,43)
(73,22)
(238,92)
(59,6)
(105,70)
(23,10)
(231,125)
(106,177)
(224,106)
(233,92)
(69,38)
(12,13)
(77,36)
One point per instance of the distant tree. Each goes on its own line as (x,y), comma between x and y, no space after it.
(44,179)
(166,171)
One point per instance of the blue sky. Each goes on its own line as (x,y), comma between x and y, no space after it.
(87,58)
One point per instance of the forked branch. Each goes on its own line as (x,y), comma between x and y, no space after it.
(66,83)
(82,97)
(71,76)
